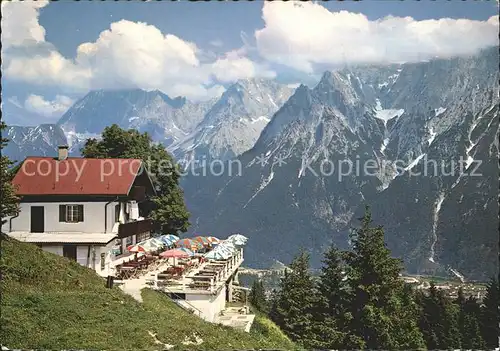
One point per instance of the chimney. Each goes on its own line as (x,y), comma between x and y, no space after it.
(62,152)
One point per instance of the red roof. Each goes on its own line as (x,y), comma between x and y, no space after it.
(76,176)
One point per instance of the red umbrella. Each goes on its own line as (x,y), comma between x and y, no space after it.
(174,253)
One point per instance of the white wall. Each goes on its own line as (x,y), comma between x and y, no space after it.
(81,256)
(84,259)
(209,305)
(93,218)
(108,269)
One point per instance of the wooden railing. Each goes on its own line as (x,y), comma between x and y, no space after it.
(134,228)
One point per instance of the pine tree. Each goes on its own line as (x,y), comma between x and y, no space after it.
(383,313)
(167,209)
(9,205)
(293,304)
(330,310)
(439,320)
(490,316)
(258,298)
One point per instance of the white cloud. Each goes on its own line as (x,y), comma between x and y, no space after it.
(127,55)
(300,35)
(48,108)
(131,54)
(20,23)
(293,85)
(234,66)
(49,68)
(217,43)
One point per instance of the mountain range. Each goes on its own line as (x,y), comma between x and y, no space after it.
(401,120)
(301,158)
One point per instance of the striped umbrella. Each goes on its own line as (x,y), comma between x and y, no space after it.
(238,239)
(147,245)
(155,242)
(189,244)
(143,246)
(138,248)
(169,239)
(217,255)
(229,245)
(186,250)
(213,239)
(203,240)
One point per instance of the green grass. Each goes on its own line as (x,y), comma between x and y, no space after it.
(49,302)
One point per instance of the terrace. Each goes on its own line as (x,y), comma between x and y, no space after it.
(201,279)
(205,278)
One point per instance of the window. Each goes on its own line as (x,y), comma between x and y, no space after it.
(142,236)
(117,213)
(103,261)
(71,213)
(176,296)
(69,251)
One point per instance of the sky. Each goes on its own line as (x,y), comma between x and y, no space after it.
(54,53)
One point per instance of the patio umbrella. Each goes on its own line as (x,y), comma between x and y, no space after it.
(226,251)
(227,245)
(142,247)
(213,239)
(188,251)
(217,255)
(174,253)
(168,239)
(237,239)
(189,244)
(203,240)
(155,242)
(137,248)
(171,237)
(147,245)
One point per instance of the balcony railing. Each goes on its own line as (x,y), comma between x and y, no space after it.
(134,228)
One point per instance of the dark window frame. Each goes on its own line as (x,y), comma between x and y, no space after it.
(71,213)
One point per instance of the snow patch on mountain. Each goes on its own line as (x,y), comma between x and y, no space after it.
(235,121)
(437,208)
(388,114)
(439,111)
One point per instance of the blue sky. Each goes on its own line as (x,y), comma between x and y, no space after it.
(197,49)
(67,22)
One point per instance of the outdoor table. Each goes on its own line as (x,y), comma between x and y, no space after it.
(200,285)
(178,269)
(164,276)
(127,271)
(202,277)
(132,264)
(215,269)
(206,273)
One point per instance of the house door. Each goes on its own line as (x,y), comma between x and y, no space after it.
(69,251)
(37,219)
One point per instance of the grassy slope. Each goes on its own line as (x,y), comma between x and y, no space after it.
(50,302)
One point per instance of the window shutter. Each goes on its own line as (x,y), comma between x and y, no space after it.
(62,213)
(80,213)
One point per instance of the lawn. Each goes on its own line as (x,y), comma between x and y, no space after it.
(49,302)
